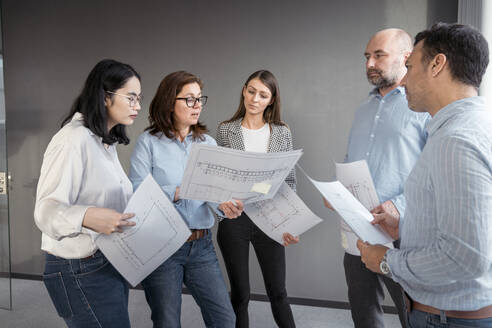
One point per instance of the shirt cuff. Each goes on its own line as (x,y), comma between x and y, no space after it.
(400,205)
(393,260)
(216,210)
(77,212)
(93,234)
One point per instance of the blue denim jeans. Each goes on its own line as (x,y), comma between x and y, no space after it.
(419,319)
(195,264)
(87,292)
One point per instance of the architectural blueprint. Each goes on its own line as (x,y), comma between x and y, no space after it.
(218,174)
(285,212)
(159,232)
(355,215)
(355,176)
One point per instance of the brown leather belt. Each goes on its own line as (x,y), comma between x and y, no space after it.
(483,313)
(197,234)
(90,256)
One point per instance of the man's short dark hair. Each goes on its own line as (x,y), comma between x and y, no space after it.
(465,48)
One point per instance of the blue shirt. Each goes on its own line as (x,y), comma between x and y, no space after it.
(390,137)
(445,254)
(166,160)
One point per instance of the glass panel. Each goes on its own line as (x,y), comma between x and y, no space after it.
(5,273)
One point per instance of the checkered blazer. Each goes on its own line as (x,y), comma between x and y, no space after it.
(230,135)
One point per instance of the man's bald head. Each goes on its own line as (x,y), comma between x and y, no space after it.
(386,53)
(401,40)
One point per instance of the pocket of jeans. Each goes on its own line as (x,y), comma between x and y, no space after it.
(92,264)
(58,293)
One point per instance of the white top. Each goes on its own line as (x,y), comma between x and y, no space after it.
(78,172)
(256,140)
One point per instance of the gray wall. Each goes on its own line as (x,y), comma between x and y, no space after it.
(313,47)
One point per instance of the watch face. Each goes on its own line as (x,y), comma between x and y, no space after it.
(384,267)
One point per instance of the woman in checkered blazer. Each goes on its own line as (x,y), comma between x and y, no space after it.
(256,126)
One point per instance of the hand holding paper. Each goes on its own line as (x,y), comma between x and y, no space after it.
(282,217)
(388,223)
(232,209)
(357,217)
(158,232)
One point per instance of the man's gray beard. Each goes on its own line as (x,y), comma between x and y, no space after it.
(382,82)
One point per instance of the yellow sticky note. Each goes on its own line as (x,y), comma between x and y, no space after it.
(261,187)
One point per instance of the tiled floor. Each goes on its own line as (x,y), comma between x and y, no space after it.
(32,308)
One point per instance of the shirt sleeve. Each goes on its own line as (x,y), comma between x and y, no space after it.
(461,178)
(141,166)
(60,181)
(420,120)
(400,204)
(291,179)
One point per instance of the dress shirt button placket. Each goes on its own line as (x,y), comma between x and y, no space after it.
(184,157)
(372,135)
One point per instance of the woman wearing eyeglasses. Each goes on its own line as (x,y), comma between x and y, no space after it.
(83,191)
(163,150)
(256,126)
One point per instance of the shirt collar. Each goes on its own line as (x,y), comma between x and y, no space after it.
(453,109)
(78,118)
(398,89)
(187,139)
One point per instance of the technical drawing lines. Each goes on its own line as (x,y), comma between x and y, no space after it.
(279,213)
(362,192)
(238,175)
(145,226)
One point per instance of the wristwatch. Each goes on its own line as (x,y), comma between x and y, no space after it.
(384,266)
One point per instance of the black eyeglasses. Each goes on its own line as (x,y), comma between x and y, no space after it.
(131,99)
(191,101)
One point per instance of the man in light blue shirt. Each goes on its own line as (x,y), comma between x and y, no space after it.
(445,258)
(390,138)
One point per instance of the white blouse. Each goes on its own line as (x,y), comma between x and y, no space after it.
(256,140)
(78,172)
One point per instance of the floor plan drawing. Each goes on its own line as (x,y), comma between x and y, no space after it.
(159,232)
(146,227)
(218,174)
(356,177)
(285,212)
(353,212)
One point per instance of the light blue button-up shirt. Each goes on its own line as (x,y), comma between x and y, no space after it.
(390,137)
(166,160)
(445,256)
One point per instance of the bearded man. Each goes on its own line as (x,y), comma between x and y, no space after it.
(390,137)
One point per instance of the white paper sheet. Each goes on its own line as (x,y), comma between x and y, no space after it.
(357,217)
(355,176)
(218,174)
(285,212)
(159,232)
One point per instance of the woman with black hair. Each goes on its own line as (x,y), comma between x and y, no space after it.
(82,191)
(256,126)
